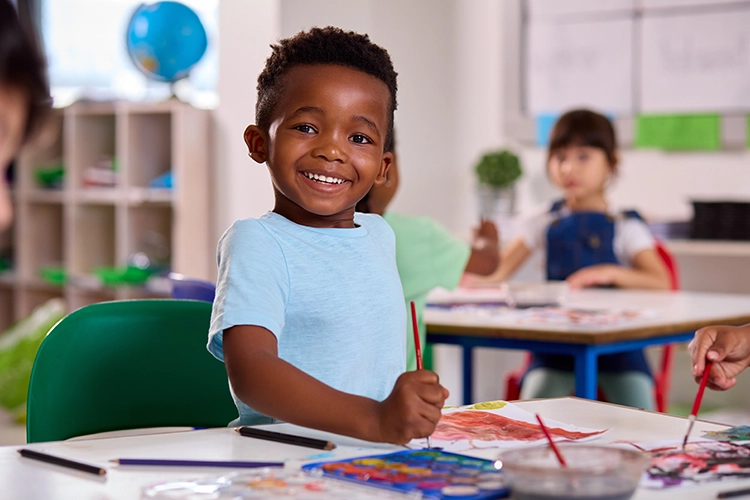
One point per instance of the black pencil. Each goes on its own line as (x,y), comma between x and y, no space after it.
(733,493)
(43,457)
(279,437)
(196,463)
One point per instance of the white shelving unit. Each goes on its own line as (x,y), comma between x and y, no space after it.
(80,228)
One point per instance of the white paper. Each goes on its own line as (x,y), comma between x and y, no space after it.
(510,438)
(578,64)
(696,62)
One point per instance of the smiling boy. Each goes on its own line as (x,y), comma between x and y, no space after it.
(309,315)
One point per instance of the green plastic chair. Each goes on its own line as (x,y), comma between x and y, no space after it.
(127,365)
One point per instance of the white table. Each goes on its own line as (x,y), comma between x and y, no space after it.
(676,317)
(22,478)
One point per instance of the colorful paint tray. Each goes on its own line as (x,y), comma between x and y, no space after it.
(436,474)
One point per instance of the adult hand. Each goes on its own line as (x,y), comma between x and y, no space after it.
(728,347)
(413,408)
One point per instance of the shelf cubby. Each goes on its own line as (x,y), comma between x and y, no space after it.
(149,231)
(93,239)
(90,139)
(42,244)
(147,148)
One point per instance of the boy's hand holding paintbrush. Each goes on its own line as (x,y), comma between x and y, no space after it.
(413,408)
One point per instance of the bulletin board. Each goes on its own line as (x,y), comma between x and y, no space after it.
(681,65)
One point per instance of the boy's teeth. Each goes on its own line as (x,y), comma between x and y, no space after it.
(323,178)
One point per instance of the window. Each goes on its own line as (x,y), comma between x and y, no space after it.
(85,46)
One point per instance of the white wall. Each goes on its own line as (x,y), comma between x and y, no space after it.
(241,186)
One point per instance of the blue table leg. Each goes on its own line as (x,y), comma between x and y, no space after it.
(468,366)
(586,376)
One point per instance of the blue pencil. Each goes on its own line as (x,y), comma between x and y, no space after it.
(195,463)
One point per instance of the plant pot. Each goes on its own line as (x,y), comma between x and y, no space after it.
(495,202)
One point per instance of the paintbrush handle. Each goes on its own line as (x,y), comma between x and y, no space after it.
(701,389)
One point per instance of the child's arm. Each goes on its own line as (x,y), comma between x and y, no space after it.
(276,388)
(648,273)
(511,258)
(485,250)
(729,349)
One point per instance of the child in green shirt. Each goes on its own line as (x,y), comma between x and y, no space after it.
(428,256)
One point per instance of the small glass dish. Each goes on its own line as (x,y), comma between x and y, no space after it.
(543,294)
(593,472)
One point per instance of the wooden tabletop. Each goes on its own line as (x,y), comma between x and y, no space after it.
(668,313)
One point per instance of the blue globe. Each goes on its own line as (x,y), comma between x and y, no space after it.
(165,40)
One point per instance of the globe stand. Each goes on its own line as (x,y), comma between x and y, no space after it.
(172,93)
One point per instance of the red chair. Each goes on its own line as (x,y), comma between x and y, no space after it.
(662,378)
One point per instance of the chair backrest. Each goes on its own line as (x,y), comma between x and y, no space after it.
(671,263)
(663,378)
(191,288)
(127,365)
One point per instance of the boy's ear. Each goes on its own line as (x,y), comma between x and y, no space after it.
(256,140)
(385,164)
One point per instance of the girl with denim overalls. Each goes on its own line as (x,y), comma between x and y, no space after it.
(588,245)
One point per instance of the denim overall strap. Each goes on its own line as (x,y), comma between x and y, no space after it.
(579,240)
(576,241)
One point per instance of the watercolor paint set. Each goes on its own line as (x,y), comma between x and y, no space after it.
(435,474)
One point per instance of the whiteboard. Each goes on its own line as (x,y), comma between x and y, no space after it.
(553,8)
(696,62)
(579,65)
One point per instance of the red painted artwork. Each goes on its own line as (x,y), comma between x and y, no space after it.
(484,426)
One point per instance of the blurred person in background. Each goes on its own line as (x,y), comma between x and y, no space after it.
(24,96)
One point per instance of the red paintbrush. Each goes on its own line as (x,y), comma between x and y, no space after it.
(415,327)
(552,444)
(417,348)
(697,402)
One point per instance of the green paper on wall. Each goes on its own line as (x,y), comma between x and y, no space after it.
(679,132)
(747,131)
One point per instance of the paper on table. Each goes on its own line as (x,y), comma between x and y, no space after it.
(498,424)
(702,461)
(580,317)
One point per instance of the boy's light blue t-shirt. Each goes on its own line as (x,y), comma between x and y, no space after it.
(332,297)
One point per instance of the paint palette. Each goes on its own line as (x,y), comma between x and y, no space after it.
(436,474)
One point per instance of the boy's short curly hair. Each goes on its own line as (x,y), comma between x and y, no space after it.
(23,67)
(329,45)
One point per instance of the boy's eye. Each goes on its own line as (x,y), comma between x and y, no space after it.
(361,139)
(583,156)
(305,129)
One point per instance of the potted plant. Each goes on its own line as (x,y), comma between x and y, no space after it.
(497,172)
